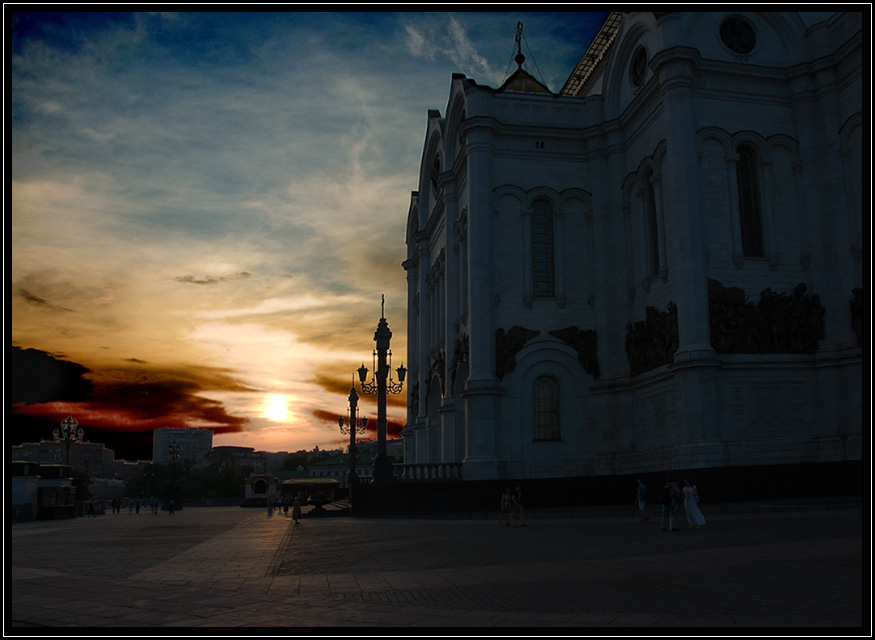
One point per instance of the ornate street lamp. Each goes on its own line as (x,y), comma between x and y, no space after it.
(69,433)
(382,384)
(352,425)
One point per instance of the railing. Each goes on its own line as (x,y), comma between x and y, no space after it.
(428,471)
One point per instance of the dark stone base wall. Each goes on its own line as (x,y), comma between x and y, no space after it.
(718,485)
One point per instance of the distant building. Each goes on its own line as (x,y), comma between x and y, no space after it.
(92,458)
(274,460)
(658,267)
(337,467)
(194,444)
(240,457)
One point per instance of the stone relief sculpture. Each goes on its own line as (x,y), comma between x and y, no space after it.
(584,342)
(507,345)
(438,368)
(652,342)
(413,390)
(460,358)
(778,323)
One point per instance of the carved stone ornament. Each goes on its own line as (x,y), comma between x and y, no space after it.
(652,342)
(584,342)
(507,345)
(460,358)
(778,323)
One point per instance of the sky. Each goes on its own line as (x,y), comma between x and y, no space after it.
(207,208)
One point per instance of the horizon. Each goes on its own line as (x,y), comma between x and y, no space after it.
(207,207)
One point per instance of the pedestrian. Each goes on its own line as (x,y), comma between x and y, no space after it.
(641,500)
(270,506)
(154,506)
(91,509)
(691,505)
(517,498)
(505,507)
(170,507)
(296,509)
(285,506)
(668,497)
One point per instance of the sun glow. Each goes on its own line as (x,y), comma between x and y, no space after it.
(276,408)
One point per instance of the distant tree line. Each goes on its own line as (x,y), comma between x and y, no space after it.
(221,476)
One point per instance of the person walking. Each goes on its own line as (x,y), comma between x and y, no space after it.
(296,509)
(170,507)
(691,505)
(517,505)
(505,507)
(668,497)
(641,500)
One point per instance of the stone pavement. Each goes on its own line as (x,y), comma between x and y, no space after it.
(235,567)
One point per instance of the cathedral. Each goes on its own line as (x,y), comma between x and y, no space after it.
(658,267)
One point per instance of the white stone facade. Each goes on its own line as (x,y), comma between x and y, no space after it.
(626,227)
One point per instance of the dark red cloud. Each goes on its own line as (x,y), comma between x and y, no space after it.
(119,407)
(393,429)
(334,383)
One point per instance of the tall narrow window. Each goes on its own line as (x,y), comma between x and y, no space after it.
(652,226)
(543,270)
(545,409)
(749,206)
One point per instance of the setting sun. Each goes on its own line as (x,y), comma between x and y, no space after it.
(276,408)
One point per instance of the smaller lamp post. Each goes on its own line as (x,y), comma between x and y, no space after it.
(68,434)
(352,425)
(175,494)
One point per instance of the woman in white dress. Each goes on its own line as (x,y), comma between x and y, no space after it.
(691,505)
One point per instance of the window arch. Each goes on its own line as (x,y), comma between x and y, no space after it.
(435,173)
(653,254)
(545,409)
(749,202)
(543,259)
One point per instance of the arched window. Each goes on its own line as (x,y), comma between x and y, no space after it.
(543,269)
(652,225)
(749,204)
(435,172)
(545,409)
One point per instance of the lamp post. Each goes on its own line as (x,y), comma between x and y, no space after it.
(352,426)
(382,384)
(69,433)
(173,449)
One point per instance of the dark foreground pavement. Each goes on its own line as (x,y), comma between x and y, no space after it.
(233,567)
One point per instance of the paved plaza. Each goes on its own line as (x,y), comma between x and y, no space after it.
(233,567)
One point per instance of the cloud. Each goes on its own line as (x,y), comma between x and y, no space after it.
(214,280)
(417,44)
(37,377)
(40,302)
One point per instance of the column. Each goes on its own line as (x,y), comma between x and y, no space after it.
(482,390)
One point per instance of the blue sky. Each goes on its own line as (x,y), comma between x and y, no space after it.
(215,202)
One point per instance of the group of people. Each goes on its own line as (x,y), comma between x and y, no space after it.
(669,496)
(134,504)
(284,502)
(511,506)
